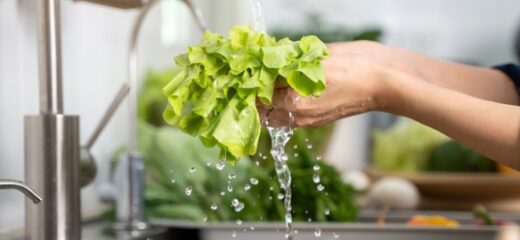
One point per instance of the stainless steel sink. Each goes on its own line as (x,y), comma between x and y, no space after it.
(307,231)
(101,230)
(366,229)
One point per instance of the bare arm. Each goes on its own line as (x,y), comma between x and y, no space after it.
(475,106)
(489,127)
(479,82)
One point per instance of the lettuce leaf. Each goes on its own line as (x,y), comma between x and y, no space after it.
(214,94)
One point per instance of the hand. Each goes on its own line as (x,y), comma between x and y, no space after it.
(354,85)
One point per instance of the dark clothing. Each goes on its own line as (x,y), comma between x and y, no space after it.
(512,71)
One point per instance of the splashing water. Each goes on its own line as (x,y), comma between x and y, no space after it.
(316,178)
(214,206)
(279,138)
(220,165)
(253,181)
(317,232)
(188,190)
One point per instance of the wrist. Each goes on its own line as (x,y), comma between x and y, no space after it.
(386,93)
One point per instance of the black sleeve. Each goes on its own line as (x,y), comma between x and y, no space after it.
(512,71)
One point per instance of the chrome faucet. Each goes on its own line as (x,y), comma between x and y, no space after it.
(56,165)
(129,177)
(20,186)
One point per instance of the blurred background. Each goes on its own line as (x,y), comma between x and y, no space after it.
(95,38)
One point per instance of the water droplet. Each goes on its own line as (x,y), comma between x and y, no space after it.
(214,206)
(306,211)
(239,222)
(230,188)
(295,146)
(317,232)
(188,190)
(252,228)
(271,188)
(173,181)
(296,155)
(247,187)
(327,211)
(335,235)
(287,236)
(320,187)
(253,181)
(306,140)
(316,178)
(264,157)
(280,196)
(318,158)
(257,163)
(239,207)
(208,164)
(285,158)
(234,234)
(309,146)
(296,231)
(316,167)
(309,219)
(220,165)
(234,202)
(232,176)
(205,218)
(270,197)
(222,193)
(193,169)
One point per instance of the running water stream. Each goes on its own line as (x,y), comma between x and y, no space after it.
(279,137)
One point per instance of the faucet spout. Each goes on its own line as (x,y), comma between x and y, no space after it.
(20,186)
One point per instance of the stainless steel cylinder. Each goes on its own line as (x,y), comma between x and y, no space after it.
(49,55)
(52,169)
(130,193)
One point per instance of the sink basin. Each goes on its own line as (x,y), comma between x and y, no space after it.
(100,230)
(306,231)
(395,229)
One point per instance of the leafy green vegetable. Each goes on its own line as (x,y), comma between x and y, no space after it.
(455,157)
(406,146)
(214,94)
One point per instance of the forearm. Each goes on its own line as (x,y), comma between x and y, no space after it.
(485,83)
(479,82)
(486,126)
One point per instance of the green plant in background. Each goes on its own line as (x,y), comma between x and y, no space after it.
(406,146)
(327,32)
(413,147)
(452,156)
(151,104)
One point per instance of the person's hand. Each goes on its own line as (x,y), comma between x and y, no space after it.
(355,84)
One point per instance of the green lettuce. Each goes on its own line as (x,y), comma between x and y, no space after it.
(214,94)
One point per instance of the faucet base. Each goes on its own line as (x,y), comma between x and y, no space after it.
(52,169)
